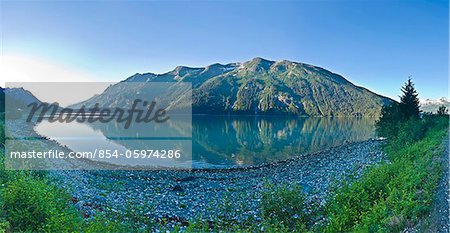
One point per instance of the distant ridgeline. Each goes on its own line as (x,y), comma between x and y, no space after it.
(429,105)
(256,87)
(264,87)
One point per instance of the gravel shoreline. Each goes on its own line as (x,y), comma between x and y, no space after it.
(440,215)
(182,195)
(226,193)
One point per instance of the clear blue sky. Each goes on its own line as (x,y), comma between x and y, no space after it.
(375,44)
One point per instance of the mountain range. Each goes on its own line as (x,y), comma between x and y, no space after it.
(430,105)
(257,87)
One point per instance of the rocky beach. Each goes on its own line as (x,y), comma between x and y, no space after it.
(211,194)
(178,196)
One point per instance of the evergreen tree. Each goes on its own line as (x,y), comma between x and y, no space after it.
(387,124)
(409,103)
(392,116)
(442,110)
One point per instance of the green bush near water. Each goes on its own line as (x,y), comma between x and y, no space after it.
(30,203)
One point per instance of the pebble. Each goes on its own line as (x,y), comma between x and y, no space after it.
(216,192)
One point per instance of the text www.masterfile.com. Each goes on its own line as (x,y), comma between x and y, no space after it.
(97,153)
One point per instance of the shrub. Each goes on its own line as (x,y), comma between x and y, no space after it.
(4,226)
(284,205)
(388,124)
(101,223)
(31,204)
(408,132)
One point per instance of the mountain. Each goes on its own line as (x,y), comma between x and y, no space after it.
(21,95)
(430,105)
(258,86)
(16,101)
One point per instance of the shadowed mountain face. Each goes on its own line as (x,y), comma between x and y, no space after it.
(263,87)
(20,95)
(15,101)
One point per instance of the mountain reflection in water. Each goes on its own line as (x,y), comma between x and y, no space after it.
(221,141)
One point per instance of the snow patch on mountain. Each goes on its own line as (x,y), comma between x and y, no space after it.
(442,100)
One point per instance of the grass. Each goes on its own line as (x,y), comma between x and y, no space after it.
(395,195)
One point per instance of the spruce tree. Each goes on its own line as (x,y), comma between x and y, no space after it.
(442,110)
(409,103)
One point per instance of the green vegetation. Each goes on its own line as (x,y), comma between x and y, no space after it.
(393,195)
(284,206)
(394,116)
(409,103)
(29,202)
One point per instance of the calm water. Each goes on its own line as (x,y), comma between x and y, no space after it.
(221,141)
